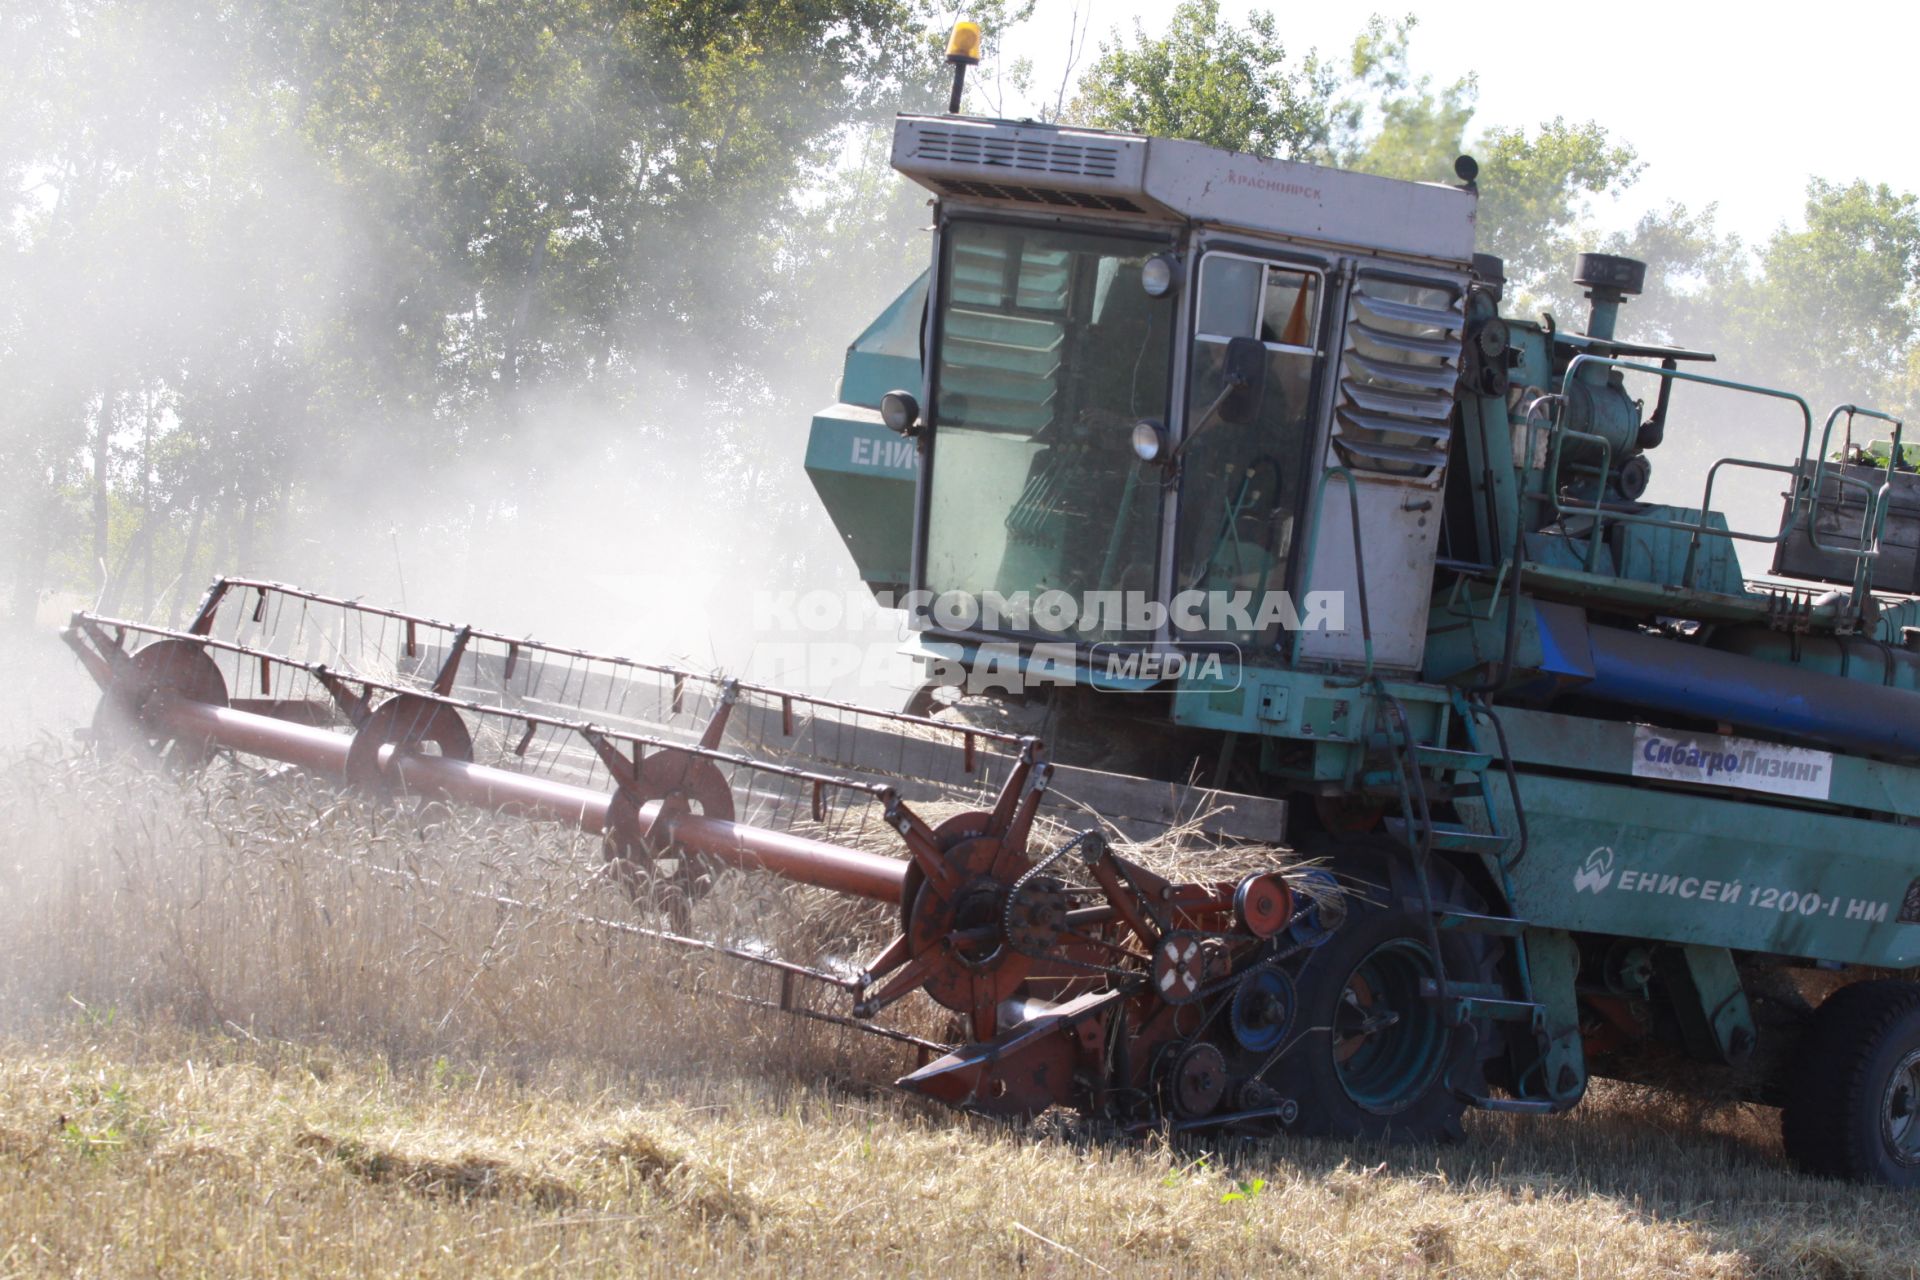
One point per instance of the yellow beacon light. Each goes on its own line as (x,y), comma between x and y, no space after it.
(963,51)
(963,46)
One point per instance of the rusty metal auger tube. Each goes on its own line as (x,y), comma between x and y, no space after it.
(319,751)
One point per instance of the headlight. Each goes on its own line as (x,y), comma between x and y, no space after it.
(900,411)
(1157,275)
(1149,441)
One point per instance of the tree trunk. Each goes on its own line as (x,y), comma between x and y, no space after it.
(222,539)
(102,455)
(243,535)
(187,565)
(114,590)
(146,504)
(517,328)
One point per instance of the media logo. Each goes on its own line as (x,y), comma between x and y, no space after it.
(1121,666)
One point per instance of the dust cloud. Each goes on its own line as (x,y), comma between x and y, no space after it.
(235,345)
(210,370)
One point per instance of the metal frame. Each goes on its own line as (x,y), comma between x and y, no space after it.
(948,212)
(1598,510)
(1331,270)
(1305,265)
(1873,519)
(1100,957)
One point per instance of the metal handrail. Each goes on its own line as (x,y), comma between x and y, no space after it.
(1561,434)
(1826,439)
(1700,528)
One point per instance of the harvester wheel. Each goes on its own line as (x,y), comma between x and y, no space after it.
(1376,1056)
(1853,1097)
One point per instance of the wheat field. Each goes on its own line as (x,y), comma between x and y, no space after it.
(253,1029)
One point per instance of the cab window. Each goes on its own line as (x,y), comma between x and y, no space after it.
(1242,486)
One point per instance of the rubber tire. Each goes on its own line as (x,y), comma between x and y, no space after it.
(1830,1123)
(1307,1072)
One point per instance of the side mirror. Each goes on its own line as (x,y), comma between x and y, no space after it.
(901,412)
(1243,378)
(1246,376)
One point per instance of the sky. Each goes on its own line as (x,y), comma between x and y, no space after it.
(1733,105)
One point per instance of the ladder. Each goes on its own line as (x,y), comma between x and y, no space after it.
(1464,1003)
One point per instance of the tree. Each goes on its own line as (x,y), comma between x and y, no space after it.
(109,182)
(1394,124)
(275,265)
(1533,202)
(1227,86)
(1834,308)
(1696,277)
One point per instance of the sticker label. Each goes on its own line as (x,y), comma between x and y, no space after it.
(1708,759)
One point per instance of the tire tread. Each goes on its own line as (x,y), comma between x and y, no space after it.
(1828,1089)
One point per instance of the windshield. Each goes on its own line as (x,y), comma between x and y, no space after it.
(1050,352)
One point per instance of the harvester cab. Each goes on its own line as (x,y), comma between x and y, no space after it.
(1229,501)
(1146,362)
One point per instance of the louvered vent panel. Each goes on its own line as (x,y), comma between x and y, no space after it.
(1398,373)
(1038,195)
(1025,155)
(1057,173)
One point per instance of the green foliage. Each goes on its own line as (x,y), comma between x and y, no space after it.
(267,258)
(1396,125)
(1533,200)
(1695,277)
(94,1017)
(1834,304)
(592,175)
(1877,452)
(279,267)
(1213,82)
(1827,309)
(1198,1167)
(101,1118)
(443,1075)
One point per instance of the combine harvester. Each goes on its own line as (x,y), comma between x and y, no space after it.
(1574,796)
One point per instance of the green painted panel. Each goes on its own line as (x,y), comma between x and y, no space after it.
(1593,590)
(1607,746)
(864,475)
(868,377)
(886,356)
(1553,961)
(1653,553)
(1303,704)
(863,472)
(851,440)
(1694,868)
